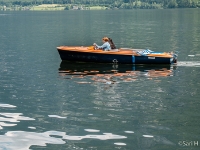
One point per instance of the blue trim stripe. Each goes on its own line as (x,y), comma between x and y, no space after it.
(133,59)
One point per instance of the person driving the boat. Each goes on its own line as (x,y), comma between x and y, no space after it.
(105,46)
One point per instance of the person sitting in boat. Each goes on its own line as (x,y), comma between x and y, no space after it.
(105,46)
(112,45)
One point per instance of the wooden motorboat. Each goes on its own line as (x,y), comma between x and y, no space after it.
(122,55)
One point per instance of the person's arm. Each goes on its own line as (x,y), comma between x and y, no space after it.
(103,46)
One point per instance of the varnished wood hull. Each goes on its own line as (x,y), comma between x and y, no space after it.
(123,56)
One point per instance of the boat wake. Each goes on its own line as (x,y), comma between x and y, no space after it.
(189,63)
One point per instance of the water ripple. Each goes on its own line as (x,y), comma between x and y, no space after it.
(56,116)
(11,117)
(7,105)
(24,140)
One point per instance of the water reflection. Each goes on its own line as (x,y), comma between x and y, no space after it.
(25,139)
(10,119)
(112,73)
(133,95)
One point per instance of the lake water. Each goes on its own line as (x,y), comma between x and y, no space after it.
(49,104)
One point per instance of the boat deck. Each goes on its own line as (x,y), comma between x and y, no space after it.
(121,51)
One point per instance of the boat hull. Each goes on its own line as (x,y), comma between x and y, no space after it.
(112,57)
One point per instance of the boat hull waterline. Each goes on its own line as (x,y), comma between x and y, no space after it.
(123,56)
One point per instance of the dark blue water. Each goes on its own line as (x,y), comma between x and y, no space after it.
(49,104)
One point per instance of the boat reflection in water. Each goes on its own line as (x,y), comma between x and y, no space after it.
(112,73)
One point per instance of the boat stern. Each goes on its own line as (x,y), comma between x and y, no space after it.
(175,57)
